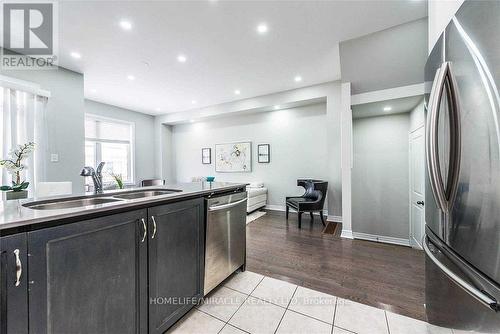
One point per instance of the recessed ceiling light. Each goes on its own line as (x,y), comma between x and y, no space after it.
(193,102)
(126,25)
(181,58)
(387,108)
(276,107)
(237,92)
(76,55)
(130,77)
(262,28)
(297,78)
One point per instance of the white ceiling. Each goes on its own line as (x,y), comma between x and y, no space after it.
(398,106)
(224,52)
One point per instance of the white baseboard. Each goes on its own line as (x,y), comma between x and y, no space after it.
(346,234)
(335,219)
(381,238)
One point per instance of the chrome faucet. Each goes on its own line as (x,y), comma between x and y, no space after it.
(96,176)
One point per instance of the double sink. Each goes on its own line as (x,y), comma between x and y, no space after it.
(76,202)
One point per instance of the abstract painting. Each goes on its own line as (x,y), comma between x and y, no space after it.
(234,157)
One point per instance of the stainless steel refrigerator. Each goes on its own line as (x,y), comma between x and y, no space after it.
(462,242)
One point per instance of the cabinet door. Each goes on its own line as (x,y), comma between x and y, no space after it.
(89,276)
(176,261)
(13,284)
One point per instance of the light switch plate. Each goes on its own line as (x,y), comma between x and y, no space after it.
(54,157)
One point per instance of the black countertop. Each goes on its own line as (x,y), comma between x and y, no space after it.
(15,216)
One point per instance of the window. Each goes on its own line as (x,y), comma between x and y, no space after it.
(110,141)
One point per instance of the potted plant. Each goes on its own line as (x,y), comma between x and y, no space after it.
(118,179)
(15,166)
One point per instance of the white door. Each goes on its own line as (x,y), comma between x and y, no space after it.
(417,187)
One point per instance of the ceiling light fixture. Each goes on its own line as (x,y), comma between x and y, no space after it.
(387,108)
(191,121)
(262,28)
(181,58)
(76,55)
(193,102)
(130,77)
(297,78)
(276,107)
(126,25)
(237,92)
(158,109)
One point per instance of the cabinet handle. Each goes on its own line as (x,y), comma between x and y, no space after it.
(145,230)
(19,267)
(154,227)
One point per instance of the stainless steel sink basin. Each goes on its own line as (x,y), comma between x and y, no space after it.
(146,193)
(69,203)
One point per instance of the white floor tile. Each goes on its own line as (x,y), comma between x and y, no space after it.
(196,322)
(360,318)
(337,330)
(222,303)
(228,329)
(399,324)
(275,291)
(244,282)
(314,304)
(295,323)
(257,316)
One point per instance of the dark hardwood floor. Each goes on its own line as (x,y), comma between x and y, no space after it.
(385,276)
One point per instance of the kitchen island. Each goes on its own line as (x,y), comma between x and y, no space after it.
(128,261)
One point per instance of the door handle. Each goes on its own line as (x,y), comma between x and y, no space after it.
(470,289)
(226,206)
(420,203)
(431,138)
(154,227)
(145,230)
(19,267)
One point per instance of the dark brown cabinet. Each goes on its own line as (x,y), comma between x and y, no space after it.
(133,272)
(89,276)
(176,261)
(13,284)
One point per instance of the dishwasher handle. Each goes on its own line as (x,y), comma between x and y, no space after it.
(226,206)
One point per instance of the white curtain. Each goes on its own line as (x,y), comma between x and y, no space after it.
(23,119)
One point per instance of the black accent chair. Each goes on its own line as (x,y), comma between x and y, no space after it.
(152,182)
(312,200)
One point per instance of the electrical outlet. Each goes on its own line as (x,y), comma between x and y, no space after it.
(54,157)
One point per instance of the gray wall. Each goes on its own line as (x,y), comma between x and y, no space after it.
(298,139)
(380,179)
(144,135)
(65,120)
(386,59)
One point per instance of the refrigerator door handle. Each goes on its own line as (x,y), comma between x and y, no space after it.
(467,287)
(431,138)
(456,136)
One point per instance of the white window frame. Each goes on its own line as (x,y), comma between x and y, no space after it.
(131,145)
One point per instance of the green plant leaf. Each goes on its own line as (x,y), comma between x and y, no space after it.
(5,188)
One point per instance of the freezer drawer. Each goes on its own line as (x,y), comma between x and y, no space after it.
(225,237)
(448,303)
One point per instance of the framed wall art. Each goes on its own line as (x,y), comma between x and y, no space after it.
(233,157)
(264,153)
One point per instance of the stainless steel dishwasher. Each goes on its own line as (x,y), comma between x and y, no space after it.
(225,245)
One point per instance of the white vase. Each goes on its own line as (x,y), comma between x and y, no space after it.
(9,195)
